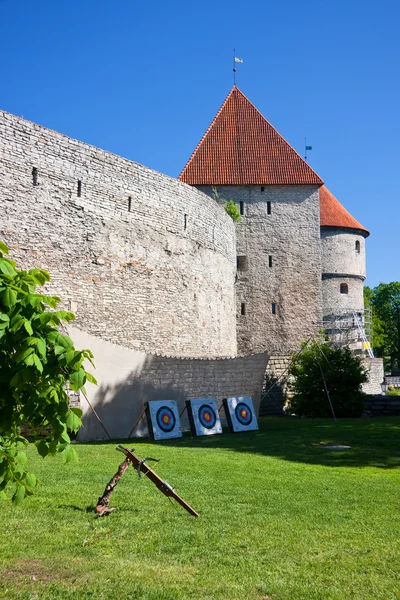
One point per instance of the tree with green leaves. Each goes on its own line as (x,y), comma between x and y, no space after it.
(37,363)
(384,300)
(322,365)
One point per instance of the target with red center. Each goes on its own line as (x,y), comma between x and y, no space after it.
(163,419)
(240,414)
(203,416)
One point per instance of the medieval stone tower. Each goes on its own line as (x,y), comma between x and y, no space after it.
(300,254)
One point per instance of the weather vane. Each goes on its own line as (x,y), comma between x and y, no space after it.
(235,61)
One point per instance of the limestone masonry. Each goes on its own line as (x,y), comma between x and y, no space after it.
(153,266)
(143,260)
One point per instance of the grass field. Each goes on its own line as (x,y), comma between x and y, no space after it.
(282,518)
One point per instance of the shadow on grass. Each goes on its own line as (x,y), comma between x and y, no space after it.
(374,442)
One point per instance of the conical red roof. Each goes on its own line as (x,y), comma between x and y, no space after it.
(333,214)
(242,148)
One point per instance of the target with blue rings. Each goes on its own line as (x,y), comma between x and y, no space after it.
(163,419)
(240,414)
(203,416)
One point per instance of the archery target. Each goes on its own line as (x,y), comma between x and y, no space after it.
(163,419)
(203,416)
(240,414)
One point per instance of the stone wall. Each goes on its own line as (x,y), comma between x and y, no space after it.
(128,378)
(339,253)
(376,374)
(143,260)
(281,266)
(275,389)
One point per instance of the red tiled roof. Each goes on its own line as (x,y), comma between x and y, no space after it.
(333,214)
(242,148)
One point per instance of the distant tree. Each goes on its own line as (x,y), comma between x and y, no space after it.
(36,364)
(229,205)
(343,374)
(377,326)
(385,302)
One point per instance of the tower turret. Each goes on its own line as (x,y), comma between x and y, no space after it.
(343,270)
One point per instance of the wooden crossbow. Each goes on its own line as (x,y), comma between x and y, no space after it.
(102,507)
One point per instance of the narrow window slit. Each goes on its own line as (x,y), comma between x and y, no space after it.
(185,222)
(79,191)
(268,208)
(242,308)
(34,176)
(129,203)
(241,263)
(241,207)
(273,308)
(270,261)
(262,188)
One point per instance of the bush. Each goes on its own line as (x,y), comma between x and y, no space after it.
(344,376)
(392,391)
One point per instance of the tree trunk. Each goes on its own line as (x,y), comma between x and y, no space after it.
(102,503)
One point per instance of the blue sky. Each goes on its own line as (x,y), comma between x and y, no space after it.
(144,80)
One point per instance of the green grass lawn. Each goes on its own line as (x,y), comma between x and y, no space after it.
(280,518)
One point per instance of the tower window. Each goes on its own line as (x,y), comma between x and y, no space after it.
(358,247)
(185,222)
(241,263)
(344,288)
(262,188)
(34,176)
(79,190)
(241,207)
(242,308)
(273,308)
(129,203)
(270,261)
(268,208)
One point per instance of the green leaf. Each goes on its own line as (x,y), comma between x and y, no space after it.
(6,267)
(42,448)
(9,298)
(90,378)
(65,315)
(64,340)
(77,379)
(28,327)
(39,276)
(77,411)
(3,496)
(23,354)
(59,350)
(4,317)
(73,422)
(3,248)
(31,480)
(41,347)
(69,455)
(19,494)
(37,363)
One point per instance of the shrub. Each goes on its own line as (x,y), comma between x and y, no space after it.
(232,210)
(392,391)
(344,376)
